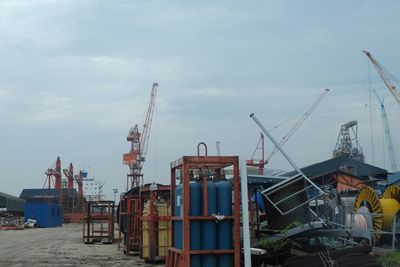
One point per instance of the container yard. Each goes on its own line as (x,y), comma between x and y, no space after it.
(204,134)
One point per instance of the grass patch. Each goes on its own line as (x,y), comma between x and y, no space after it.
(390,260)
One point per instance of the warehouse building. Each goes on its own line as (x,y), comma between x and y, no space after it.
(11,204)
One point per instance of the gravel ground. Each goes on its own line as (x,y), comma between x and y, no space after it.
(61,246)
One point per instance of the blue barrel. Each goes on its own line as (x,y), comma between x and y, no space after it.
(178,240)
(196,200)
(225,233)
(209,228)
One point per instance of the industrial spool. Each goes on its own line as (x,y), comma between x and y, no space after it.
(382,209)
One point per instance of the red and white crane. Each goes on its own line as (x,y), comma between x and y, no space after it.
(139,144)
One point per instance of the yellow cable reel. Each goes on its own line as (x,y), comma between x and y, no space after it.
(383,209)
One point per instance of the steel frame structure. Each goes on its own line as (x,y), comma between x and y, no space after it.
(129,219)
(151,192)
(186,166)
(99,222)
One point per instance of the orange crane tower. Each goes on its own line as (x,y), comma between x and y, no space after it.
(139,143)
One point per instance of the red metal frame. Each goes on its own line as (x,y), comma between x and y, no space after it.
(99,222)
(129,217)
(187,165)
(151,192)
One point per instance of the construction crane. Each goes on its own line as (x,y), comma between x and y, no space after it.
(388,136)
(139,143)
(69,173)
(54,173)
(384,74)
(79,181)
(298,123)
(259,163)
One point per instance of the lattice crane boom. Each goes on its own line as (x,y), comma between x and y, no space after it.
(385,77)
(298,123)
(144,141)
(388,136)
(139,144)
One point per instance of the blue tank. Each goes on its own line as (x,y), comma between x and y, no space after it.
(225,233)
(178,240)
(209,228)
(196,200)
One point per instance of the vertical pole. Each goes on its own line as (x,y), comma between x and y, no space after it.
(394,233)
(88,222)
(172,203)
(186,214)
(236,212)
(245,214)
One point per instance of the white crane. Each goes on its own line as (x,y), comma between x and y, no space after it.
(388,136)
(385,76)
(298,123)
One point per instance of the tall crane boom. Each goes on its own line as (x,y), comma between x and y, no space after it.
(298,123)
(385,77)
(139,143)
(144,141)
(388,136)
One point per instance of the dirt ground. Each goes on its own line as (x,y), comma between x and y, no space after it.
(60,246)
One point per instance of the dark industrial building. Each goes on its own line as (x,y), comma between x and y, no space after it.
(11,204)
(344,173)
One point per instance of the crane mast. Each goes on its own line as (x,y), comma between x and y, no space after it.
(69,173)
(298,123)
(385,77)
(139,144)
(260,162)
(388,136)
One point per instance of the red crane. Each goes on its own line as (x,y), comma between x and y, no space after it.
(78,179)
(56,173)
(258,162)
(139,143)
(69,173)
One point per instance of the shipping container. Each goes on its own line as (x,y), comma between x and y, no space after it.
(46,214)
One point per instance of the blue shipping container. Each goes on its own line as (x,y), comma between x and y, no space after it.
(46,214)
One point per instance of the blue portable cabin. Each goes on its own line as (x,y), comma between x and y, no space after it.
(46,214)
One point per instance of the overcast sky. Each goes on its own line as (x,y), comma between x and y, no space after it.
(76,75)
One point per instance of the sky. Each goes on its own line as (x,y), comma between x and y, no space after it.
(75,76)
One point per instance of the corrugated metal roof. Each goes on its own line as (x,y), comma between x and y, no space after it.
(46,193)
(361,169)
(9,196)
(11,203)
